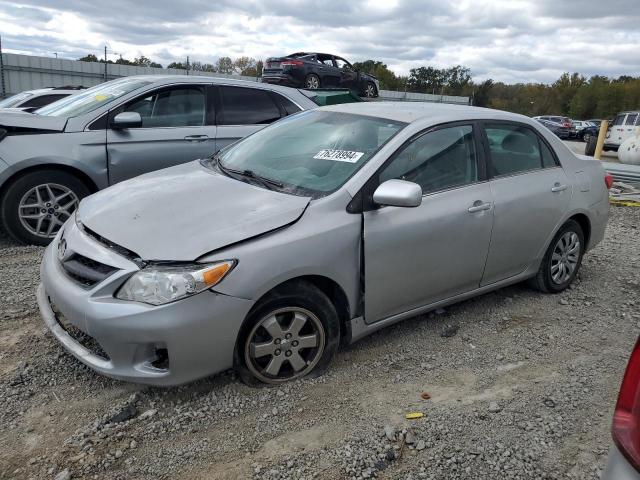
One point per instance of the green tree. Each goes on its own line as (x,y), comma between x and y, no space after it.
(387,79)
(89,58)
(224,65)
(245,66)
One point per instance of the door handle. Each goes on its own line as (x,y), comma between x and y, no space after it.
(558,188)
(478,206)
(197,138)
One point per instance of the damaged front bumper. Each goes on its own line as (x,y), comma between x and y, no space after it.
(160,345)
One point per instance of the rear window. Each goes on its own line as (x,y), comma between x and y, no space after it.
(619,120)
(43,100)
(14,100)
(247,106)
(631,119)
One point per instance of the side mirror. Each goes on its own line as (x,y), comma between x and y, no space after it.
(398,193)
(126,120)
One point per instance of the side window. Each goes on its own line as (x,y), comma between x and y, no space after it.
(631,119)
(172,107)
(325,60)
(343,64)
(287,104)
(437,160)
(247,106)
(513,148)
(548,160)
(619,120)
(42,100)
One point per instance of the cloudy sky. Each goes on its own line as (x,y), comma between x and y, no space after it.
(507,40)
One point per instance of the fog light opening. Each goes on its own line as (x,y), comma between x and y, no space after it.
(161,360)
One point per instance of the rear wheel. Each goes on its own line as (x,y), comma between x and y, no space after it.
(312,82)
(562,260)
(293,332)
(36,205)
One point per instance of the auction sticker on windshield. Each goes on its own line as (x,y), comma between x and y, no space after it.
(338,155)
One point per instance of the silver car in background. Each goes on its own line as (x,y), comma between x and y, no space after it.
(318,230)
(52,158)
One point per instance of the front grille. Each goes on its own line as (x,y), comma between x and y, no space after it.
(84,339)
(85,271)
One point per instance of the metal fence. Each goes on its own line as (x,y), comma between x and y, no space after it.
(27,72)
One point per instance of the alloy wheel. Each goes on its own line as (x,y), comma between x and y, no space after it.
(285,344)
(45,208)
(564,259)
(370,91)
(586,137)
(313,83)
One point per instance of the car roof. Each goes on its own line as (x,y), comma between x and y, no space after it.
(171,79)
(410,112)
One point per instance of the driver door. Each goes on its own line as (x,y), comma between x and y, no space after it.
(174,130)
(417,256)
(348,74)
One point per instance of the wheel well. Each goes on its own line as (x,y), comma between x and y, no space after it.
(336,296)
(61,168)
(585,224)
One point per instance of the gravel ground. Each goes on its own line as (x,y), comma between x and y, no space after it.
(520,385)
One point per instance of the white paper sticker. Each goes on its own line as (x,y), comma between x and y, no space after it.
(338,155)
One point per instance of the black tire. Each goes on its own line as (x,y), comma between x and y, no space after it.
(10,202)
(298,295)
(543,280)
(590,147)
(312,82)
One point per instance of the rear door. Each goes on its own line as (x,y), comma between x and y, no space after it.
(531,193)
(176,128)
(242,111)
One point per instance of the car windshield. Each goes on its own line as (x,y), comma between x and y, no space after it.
(313,152)
(14,100)
(92,98)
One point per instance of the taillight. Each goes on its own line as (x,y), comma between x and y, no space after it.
(292,63)
(626,418)
(608,180)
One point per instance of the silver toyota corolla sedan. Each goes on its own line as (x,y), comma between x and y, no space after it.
(324,227)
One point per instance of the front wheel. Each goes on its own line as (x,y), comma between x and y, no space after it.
(562,260)
(370,91)
(37,204)
(293,332)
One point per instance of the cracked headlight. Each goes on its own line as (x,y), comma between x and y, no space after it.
(157,285)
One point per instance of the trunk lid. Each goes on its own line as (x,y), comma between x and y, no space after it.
(183,212)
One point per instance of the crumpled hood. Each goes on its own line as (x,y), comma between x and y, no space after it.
(181,213)
(26,120)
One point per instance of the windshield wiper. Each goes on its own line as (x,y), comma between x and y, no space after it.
(265,182)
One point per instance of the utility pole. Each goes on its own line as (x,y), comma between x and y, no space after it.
(187,64)
(105,63)
(3,92)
